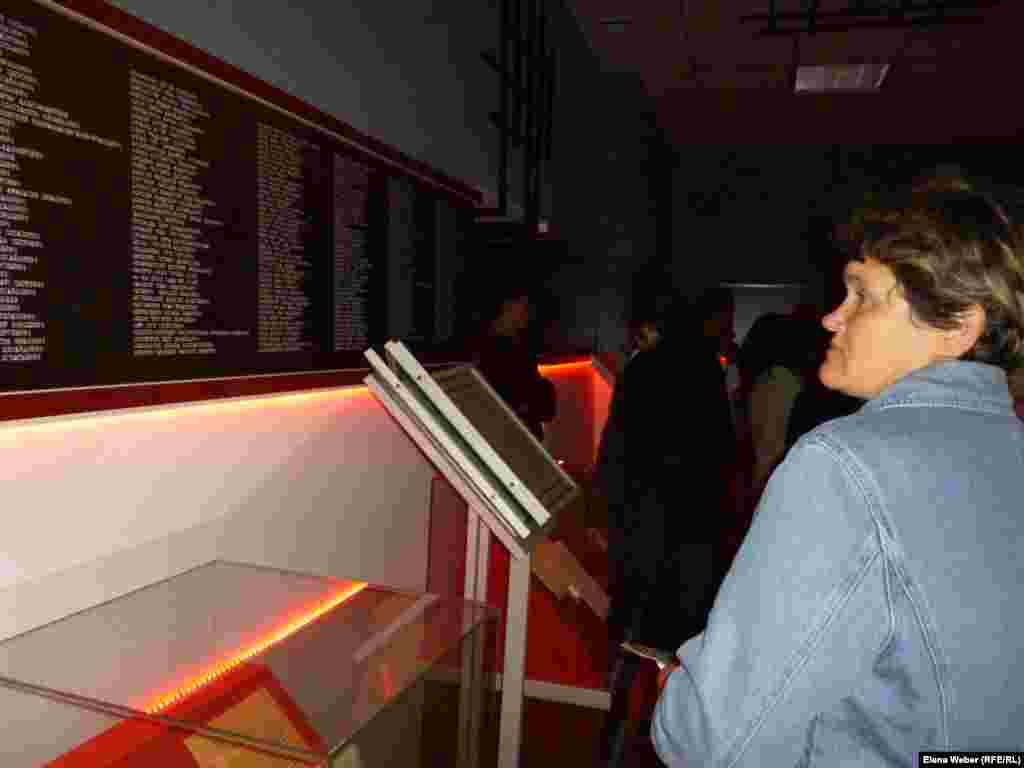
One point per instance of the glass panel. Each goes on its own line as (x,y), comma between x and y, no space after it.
(290,664)
(422,727)
(38,730)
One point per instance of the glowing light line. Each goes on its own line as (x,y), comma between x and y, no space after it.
(168,700)
(565,367)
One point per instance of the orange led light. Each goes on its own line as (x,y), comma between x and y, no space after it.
(167,700)
(87,420)
(565,367)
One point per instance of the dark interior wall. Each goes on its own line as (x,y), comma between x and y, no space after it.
(409,73)
(747,213)
(606,172)
(764,213)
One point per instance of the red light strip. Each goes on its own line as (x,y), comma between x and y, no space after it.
(193,685)
(156,413)
(86,420)
(565,367)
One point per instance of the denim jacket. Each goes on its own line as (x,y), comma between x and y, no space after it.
(875,607)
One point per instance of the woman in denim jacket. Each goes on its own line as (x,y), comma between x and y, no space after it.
(876,607)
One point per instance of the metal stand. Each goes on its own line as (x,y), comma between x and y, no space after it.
(514,672)
(478,547)
(514,508)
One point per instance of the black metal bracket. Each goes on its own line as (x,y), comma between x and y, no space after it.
(525,64)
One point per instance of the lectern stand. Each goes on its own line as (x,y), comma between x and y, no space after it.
(513,488)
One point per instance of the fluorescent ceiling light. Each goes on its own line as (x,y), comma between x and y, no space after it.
(844,78)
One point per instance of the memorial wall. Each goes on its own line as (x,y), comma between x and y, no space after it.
(158,224)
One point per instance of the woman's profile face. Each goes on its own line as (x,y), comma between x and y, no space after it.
(875,339)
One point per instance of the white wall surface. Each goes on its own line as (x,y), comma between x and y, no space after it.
(98,505)
(101,504)
(325,482)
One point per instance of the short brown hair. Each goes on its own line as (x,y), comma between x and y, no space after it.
(951,248)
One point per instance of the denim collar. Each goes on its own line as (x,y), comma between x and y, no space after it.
(956,382)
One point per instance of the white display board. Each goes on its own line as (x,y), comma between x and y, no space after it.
(481,445)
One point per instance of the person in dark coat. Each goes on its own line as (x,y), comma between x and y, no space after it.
(505,359)
(681,454)
(610,469)
(679,448)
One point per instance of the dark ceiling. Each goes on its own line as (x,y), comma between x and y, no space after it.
(717,75)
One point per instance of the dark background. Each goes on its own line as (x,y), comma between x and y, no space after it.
(86,259)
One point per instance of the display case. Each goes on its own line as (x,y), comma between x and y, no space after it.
(237,666)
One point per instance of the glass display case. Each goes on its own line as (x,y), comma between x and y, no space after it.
(238,666)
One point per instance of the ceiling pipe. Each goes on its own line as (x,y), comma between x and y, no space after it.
(861,9)
(859,15)
(916,23)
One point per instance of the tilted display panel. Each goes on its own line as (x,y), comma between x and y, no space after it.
(540,476)
(495,431)
(251,667)
(452,453)
(512,487)
(463,409)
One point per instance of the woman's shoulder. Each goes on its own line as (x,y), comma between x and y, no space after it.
(843,437)
(820,469)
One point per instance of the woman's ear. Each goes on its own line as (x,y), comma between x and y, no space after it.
(971,325)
